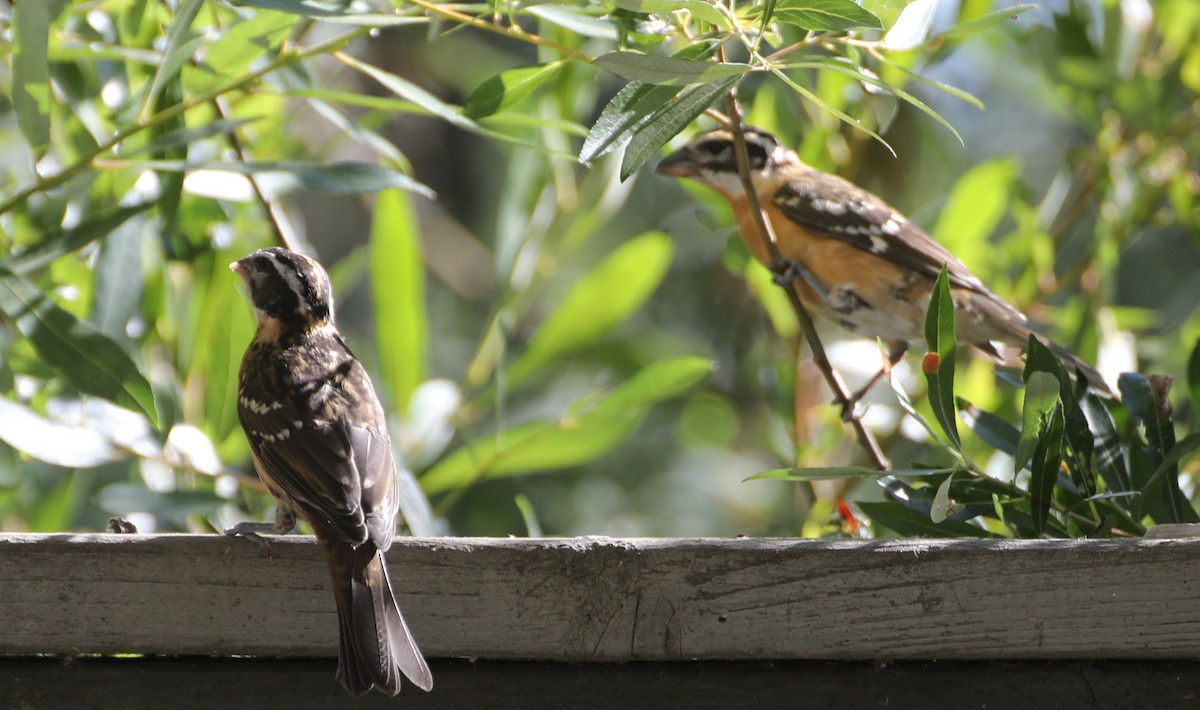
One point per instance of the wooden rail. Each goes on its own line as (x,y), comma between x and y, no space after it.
(599,599)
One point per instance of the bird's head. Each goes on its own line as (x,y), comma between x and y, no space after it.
(710,158)
(288,290)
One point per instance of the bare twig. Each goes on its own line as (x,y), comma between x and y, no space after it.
(841,393)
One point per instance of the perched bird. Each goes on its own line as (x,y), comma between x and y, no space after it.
(854,259)
(320,444)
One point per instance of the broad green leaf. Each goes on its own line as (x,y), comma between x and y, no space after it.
(59,444)
(117,296)
(508,89)
(668,121)
(31,74)
(571,440)
(88,359)
(651,69)
(908,522)
(242,44)
(343,178)
(977,203)
(822,15)
(700,8)
(978,25)
(1041,395)
(837,473)
(938,365)
(398,293)
(598,302)
(1044,468)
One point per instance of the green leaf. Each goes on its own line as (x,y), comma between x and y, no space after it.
(668,121)
(941,340)
(331,12)
(508,89)
(977,203)
(908,522)
(571,440)
(242,44)
(58,242)
(398,293)
(826,106)
(837,473)
(1041,396)
(1047,461)
(598,302)
(175,53)
(1109,456)
(1193,375)
(411,92)
(88,359)
(1039,358)
(1162,498)
(978,25)
(993,430)
(31,95)
(651,69)
(184,137)
(822,15)
(704,10)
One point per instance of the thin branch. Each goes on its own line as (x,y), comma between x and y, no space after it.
(841,393)
(276,215)
(513,32)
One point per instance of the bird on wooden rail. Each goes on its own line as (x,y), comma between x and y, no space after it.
(851,257)
(320,444)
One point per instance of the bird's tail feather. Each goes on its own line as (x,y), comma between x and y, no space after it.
(375,646)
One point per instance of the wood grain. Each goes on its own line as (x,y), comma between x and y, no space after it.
(599,599)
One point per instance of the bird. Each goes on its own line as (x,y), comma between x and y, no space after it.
(319,442)
(853,258)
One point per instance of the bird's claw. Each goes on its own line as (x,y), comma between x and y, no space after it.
(251,532)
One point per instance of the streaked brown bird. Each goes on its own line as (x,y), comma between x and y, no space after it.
(320,444)
(855,259)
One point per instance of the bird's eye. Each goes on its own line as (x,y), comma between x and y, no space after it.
(757,153)
(713,147)
(260,263)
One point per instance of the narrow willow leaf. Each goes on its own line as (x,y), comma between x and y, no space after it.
(1146,399)
(1110,457)
(31,74)
(1044,468)
(344,178)
(59,242)
(1039,358)
(633,105)
(658,381)
(88,359)
(184,137)
(651,69)
(58,444)
(332,12)
(977,25)
(598,302)
(411,92)
(508,89)
(533,529)
(940,86)
(241,45)
(577,22)
(1193,375)
(906,521)
(842,115)
(996,432)
(837,473)
(175,53)
(398,293)
(668,121)
(1041,395)
(700,8)
(822,15)
(941,340)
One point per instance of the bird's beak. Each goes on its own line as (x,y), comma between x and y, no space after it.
(678,164)
(239,267)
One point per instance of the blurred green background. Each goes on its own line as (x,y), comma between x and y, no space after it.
(563,353)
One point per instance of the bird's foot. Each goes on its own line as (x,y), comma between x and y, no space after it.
(253,533)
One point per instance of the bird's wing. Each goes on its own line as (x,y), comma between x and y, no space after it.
(832,207)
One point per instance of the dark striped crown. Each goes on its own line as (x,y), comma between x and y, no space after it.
(287,286)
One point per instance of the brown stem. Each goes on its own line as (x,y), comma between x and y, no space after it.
(778,265)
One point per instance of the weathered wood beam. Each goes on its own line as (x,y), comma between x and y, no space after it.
(599,599)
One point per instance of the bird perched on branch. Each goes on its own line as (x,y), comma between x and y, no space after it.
(851,257)
(320,444)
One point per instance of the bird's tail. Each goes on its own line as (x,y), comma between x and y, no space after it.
(374,644)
